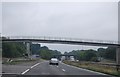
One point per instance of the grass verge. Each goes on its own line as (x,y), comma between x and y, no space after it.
(95,67)
(14,62)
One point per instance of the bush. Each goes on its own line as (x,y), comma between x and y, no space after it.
(95,59)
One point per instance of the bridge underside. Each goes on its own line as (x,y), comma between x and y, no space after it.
(61,42)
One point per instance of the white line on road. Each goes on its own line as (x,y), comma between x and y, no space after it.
(35,65)
(25,71)
(63,70)
(57,66)
(29,69)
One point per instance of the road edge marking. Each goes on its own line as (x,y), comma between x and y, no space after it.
(30,68)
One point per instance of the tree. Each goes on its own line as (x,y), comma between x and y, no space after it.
(81,55)
(13,49)
(89,54)
(65,53)
(101,53)
(85,55)
(110,53)
(46,53)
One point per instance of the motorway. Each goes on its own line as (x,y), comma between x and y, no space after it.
(62,69)
(43,68)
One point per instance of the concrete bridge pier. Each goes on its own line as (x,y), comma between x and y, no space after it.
(118,57)
(28,49)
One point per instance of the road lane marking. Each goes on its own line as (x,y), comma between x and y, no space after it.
(25,71)
(57,66)
(63,70)
(35,65)
(84,69)
(29,69)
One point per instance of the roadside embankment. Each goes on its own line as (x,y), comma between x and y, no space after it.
(14,61)
(111,70)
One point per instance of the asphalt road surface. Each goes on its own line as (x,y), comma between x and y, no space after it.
(43,68)
(62,69)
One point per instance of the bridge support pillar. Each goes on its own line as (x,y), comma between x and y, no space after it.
(118,57)
(28,49)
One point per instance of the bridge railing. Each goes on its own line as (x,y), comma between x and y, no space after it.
(63,39)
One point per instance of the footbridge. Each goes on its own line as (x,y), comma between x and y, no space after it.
(64,40)
(61,40)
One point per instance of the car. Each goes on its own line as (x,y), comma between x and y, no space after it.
(54,61)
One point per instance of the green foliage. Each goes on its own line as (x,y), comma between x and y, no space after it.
(89,54)
(13,49)
(110,53)
(92,55)
(84,55)
(101,52)
(81,56)
(47,54)
(95,59)
(96,67)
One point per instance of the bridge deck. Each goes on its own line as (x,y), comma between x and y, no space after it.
(74,42)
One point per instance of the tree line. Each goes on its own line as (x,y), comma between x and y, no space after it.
(94,55)
(46,53)
(18,49)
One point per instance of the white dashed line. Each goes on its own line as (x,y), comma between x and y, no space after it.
(30,68)
(57,66)
(63,70)
(25,71)
(35,65)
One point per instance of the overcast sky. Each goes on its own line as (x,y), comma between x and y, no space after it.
(90,20)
